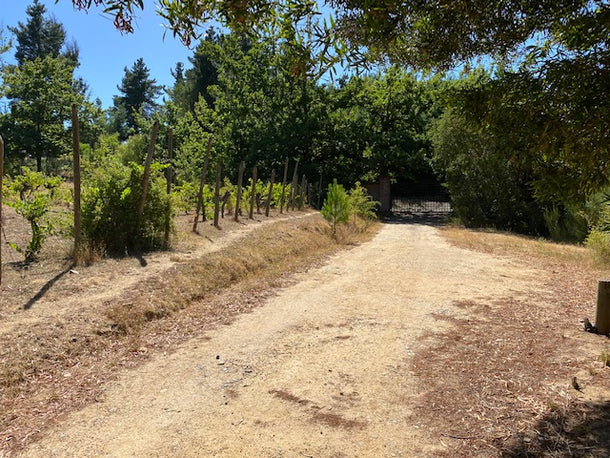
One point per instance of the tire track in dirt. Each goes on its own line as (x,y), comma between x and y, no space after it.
(323,369)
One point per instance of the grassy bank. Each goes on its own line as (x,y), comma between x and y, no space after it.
(51,368)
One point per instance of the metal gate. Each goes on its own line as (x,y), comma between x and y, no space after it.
(425,197)
(437,205)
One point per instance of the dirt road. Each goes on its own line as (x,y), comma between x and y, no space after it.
(321,370)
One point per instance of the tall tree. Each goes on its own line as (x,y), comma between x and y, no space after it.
(204,70)
(39,36)
(138,97)
(40,88)
(40,93)
(564,46)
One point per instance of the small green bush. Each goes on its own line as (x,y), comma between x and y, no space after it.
(599,242)
(599,237)
(361,203)
(34,195)
(336,208)
(109,219)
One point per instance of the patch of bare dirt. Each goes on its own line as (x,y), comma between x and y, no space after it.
(349,361)
(520,375)
(59,352)
(404,346)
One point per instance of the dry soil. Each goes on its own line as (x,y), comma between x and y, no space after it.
(321,370)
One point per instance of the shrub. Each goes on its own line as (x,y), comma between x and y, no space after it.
(109,219)
(565,223)
(35,194)
(361,203)
(487,190)
(599,242)
(336,208)
(599,238)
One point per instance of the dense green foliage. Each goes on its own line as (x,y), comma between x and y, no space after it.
(40,90)
(486,189)
(110,222)
(520,145)
(599,237)
(39,37)
(138,93)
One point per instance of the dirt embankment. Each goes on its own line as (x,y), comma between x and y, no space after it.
(326,368)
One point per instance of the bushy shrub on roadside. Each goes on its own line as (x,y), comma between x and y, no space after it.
(599,237)
(336,208)
(487,189)
(566,223)
(599,242)
(109,207)
(361,203)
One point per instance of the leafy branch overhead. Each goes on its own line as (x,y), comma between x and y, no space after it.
(433,33)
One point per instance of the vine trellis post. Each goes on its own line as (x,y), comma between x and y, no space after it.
(76,166)
(1,222)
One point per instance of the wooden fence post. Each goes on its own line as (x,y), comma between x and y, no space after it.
(1,222)
(303,192)
(146,176)
(268,203)
(602,318)
(170,181)
(204,172)
(319,204)
(76,166)
(295,183)
(240,178)
(308,197)
(217,196)
(253,196)
(282,199)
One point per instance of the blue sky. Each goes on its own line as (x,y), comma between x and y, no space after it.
(104,52)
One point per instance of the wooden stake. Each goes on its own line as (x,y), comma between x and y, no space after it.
(170,180)
(284,186)
(146,176)
(204,172)
(308,198)
(295,183)
(76,166)
(253,196)
(1,222)
(268,203)
(602,319)
(302,192)
(240,178)
(217,196)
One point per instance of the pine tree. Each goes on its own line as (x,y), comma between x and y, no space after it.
(138,94)
(205,70)
(39,36)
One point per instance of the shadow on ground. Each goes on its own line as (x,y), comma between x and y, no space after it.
(46,287)
(581,430)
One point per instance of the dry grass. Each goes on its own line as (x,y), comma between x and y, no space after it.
(501,378)
(50,368)
(508,244)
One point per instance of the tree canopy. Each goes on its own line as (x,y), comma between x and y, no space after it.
(138,93)
(40,36)
(423,34)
